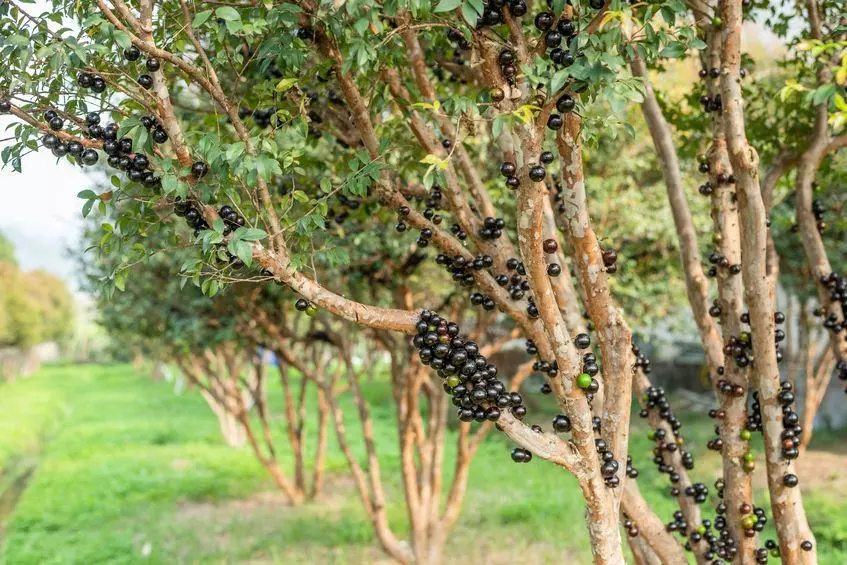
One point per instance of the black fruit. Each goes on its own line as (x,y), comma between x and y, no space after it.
(160,135)
(555,121)
(98,85)
(518,8)
(537,173)
(582,341)
(553,38)
(146,82)
(84,80)
(50,141)
(140,162)
(56,123)
(544,20)
(89,157)
(75,148)
(111,147)
(132,54)
(566,103)
(562,423)
(199,169)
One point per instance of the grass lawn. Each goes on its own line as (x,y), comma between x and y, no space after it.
(128,471)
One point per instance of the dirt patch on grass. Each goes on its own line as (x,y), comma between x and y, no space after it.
(818,470)
(332,496)
(825,470)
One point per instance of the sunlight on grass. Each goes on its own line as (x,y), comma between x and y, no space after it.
(131,472)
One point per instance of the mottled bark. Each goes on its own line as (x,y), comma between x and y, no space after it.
(786,503)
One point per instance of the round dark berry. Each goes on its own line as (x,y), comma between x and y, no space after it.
(152,65)
(49,141)
(160,135)
(566,103)
(507,169)
(132,54)
(89,157)
(199,169)
(555,121)
(537,173)
(56,123)
(98,85)
(562,423)
(544,20)
(145,81)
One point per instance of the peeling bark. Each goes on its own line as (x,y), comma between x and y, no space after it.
(789,515)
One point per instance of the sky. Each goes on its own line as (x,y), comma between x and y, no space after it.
(41,213)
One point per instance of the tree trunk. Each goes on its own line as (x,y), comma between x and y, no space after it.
(230,427)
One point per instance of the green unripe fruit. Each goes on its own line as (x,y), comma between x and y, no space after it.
(311,310)
(748,456)
(453,381)
(749,521)
(701,530)
(745,435)
(651,435)
(583,381)
(717,22)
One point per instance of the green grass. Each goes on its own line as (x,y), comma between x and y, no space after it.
(131,472)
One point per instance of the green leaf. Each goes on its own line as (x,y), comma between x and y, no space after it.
(122,39)
(242,250)
(87,194)
(86,208)
(673,50)
(285,84)
(200,18)
(697,43)
(823,93)
(447,5)
(470,14)
(120,279)
(228,14)
(558,80)
(250,234)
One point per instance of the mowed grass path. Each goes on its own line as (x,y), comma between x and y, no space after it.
(129,471)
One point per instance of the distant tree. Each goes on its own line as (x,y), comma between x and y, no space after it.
(35,307)
(7,250)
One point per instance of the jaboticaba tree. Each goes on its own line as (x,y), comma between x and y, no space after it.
(308,143)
